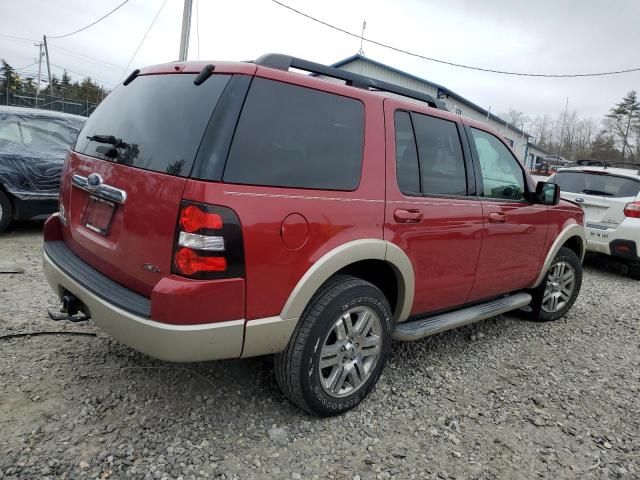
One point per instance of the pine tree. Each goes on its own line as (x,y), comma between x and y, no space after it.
(623,118)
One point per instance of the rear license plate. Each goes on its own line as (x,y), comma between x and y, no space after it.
(98,215)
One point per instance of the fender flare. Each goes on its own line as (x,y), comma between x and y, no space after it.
(271,335)
(572,230)
(345,255)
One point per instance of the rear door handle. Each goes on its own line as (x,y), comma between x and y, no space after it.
(407,216)
(495,217)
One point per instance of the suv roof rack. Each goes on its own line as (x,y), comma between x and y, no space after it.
(284,62)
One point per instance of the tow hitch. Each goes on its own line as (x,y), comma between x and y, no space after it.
(72,309)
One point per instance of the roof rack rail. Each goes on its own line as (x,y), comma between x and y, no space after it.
(285,62)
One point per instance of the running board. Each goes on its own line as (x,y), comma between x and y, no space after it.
(424,327)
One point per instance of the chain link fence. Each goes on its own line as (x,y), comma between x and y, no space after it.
(47,102)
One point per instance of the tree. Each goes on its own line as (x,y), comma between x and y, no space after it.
(10,79)
(603,147)
(624,118)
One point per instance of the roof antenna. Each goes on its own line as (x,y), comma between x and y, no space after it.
(364,25)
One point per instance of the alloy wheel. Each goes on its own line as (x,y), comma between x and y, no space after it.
(559,287)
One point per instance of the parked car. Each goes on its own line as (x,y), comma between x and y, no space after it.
(610,198)
(33,145)
(238,209)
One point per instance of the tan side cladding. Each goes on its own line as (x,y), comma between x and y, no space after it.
(271,335)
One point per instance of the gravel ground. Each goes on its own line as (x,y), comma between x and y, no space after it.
(505,398)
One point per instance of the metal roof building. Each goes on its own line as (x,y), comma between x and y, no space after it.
(455,103)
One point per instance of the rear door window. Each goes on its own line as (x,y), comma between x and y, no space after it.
(407,171)
(291,136)
(600,184)
(158,121)
(442,170)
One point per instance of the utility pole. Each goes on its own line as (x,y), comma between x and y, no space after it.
(46,52)
(186,27)
(39,45)
(564,119)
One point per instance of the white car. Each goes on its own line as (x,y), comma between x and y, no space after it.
(610,198)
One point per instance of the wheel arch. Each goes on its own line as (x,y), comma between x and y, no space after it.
(353,258)
(271,335)
(571,236)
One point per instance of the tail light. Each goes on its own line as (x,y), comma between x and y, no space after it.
(208,243)
(632,210)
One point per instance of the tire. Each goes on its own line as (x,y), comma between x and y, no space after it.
(634,271)
(328,331)
(6,211)
(542,308)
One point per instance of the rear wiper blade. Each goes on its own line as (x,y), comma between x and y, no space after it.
(108,139)
(597,192)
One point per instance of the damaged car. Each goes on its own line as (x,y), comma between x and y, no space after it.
(33,146)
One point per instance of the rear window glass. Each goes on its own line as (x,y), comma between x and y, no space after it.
(290,136)
(597,184)
(157,120)
(39,130)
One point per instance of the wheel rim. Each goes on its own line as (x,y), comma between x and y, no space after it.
(350,352)
(559,287)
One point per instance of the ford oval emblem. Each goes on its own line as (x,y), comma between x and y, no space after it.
(94,181)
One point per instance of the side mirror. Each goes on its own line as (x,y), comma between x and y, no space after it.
(547,193)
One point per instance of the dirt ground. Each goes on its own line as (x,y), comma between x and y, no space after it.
(502,399)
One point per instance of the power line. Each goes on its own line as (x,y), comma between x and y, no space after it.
(91,24)
(71,52)
(82,74)
(453,64)
(143,39)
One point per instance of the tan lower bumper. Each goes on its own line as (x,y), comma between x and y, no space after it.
(174,343)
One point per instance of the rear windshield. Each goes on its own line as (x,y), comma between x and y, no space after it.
(597,184)
(157,122)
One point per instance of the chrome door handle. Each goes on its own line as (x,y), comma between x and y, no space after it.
(407,216)
(495,217)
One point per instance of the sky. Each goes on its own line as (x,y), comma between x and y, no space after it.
(545,36)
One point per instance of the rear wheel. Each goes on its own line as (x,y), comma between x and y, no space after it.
(338,350)
(558,291)
(6,211)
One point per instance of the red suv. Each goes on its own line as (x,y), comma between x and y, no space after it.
(229,210)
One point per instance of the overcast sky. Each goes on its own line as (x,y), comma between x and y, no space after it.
(545,36)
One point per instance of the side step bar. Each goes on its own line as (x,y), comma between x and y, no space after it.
(424,327)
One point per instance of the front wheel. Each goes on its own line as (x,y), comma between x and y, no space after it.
(338,350)
(559,289)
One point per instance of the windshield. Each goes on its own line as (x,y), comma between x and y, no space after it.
(602,184)
(155,123)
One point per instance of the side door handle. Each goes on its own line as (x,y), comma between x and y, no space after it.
(495,217)
(407,216)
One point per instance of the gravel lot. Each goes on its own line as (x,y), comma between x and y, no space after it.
(505,398)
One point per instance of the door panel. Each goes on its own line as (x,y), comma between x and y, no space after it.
(515,230)
(511,249)
(440,234)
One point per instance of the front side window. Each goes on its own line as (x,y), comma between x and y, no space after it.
(290,136)
(502,176)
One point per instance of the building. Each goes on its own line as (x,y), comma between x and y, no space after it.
(519,140)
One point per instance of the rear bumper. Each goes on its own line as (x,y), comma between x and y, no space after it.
(175,343)
(607,240)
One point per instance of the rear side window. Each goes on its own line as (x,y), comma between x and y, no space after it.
(442,168)
(158,120)
(597,184)
(429,157)
(290,136)
(407,171)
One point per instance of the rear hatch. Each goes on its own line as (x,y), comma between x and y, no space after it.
(601,194)
(124,179)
